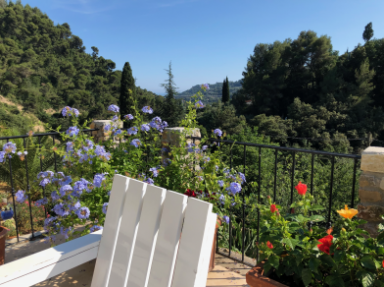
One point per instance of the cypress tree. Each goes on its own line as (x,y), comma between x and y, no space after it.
(368,32)
(227,95)
(225,92)
(127,91)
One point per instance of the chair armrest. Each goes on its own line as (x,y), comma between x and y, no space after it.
(46,264)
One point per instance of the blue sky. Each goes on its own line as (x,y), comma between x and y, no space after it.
(206,40)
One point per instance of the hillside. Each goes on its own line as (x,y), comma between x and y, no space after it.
(44,67)
(213,94)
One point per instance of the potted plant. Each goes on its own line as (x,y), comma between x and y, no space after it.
(293,253)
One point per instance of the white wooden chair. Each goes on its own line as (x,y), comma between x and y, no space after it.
(151,237)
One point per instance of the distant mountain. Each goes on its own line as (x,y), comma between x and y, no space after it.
(213,94)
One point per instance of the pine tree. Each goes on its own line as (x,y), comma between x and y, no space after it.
(127,91)
(225,92)
(368,32)
(173,110)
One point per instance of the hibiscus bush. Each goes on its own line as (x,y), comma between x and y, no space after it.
(295,246)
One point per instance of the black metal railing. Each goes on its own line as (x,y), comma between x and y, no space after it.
(39,137)
(243,163)
(294,152)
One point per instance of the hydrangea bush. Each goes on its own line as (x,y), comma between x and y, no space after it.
(78,194)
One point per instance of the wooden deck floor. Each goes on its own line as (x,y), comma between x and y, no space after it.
(226,273)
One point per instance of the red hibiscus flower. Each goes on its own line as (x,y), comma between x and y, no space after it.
(301,188)
(273,208)
(382,263)
(269,244)
(190,193)
(326,243)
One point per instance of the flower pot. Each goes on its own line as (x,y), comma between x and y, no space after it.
(7,214)
(255,277)
(3,234)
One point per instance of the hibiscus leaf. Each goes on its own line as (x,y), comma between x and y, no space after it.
(367,278)
(367,262)
(334,280)
(306,275)
(316,207)
(316,218)
(326,259)
(288,242)
(274,261)
(314,263)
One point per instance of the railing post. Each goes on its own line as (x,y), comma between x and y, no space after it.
(371,189)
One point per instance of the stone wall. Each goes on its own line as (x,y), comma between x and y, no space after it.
(371,189)
(101,135)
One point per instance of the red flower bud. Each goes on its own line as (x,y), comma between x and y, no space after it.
(301,188)
(190,193)
(269,244)
(273,208)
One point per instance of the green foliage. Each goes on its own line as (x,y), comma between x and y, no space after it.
(212,95)
(225,91)
(368,32)
(127,90)
(172,108)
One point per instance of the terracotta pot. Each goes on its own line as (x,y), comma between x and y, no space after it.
(213,253)
(255,278)
(3,235)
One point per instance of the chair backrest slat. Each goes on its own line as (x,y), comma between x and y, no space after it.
(153,237)
(110,231)
(168,240)
(146,237)
(127,235)
(191,257)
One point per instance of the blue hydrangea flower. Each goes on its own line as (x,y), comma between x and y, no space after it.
(95,228)
(226,219)
(132,131)
(136,142)
(105,207)
(155,171)
(45,182)
(21,196)
(64,232)
(114,109)
(149,180)
(190,147)
(72,131)
(68,111)
(206,159)
(222,199)
(9,147)
(75,206)
(199,105)
(221,183)
(164,124)
(234,187)
(2,156)
(117,132)
(98,179)
(55,196)
(145,127)
(115,118)
(204,147)
(205,86)
(83,212)
(65,190)
(107,128)
(242,177)
(61,210)
(147,110)
(129,117)
(69,147)
(41,202)
(218,132)
(88,145)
